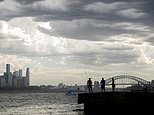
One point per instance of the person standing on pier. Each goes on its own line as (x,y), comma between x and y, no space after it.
(113,85)
(89,85)
(102,85)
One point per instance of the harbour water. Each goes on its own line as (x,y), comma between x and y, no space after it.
(39,104)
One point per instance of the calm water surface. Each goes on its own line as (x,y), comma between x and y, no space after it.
(38,104)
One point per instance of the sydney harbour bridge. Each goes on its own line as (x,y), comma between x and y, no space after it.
(125,81)
(128,80)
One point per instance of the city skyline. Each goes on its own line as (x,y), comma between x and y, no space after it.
(15,79)
(68,41)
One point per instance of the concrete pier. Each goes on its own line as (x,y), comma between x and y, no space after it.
(117,102)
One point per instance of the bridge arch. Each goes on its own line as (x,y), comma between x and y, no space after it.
(134,78)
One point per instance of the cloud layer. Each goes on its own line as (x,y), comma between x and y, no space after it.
(72,35)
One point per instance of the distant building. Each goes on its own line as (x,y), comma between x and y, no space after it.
(28,76)
(15,79)
(24,82)
(152,83)
(7,68)
(96,84)
(20,72)
(8,76)
(2,81)
(61,85)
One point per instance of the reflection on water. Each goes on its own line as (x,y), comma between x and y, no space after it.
(38,104)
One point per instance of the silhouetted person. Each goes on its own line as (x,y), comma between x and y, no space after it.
(89,85)
(113,85)
(102,85)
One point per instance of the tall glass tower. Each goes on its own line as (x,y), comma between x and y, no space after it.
(28,76)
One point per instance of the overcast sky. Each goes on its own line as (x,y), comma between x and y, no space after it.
(70,40)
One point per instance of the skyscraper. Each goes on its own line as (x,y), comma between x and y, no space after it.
(27,75)
(7,68)
(8,76)
(20,72)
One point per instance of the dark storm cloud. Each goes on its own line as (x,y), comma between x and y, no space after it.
(74,23)
(78,11)
(75,10)
(93,30)
(84,19)
(25,2)
(81,29)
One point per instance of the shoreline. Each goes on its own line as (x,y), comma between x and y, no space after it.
(32,91)
(37,91)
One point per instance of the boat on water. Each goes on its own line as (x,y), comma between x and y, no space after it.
(72,92)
